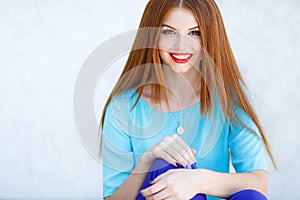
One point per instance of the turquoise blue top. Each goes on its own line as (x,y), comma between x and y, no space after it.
(128,133)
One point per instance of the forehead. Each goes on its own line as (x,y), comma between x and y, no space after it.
(180,18)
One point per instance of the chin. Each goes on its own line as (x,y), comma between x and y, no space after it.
(181,69)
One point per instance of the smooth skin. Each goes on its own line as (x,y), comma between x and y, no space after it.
(182,36)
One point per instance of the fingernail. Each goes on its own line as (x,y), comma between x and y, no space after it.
(178,165)
(188,167)
(193,166)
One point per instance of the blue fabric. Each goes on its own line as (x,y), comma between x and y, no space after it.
(248,195)
(128,133)
(159,167)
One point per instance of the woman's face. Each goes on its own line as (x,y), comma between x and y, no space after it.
(179,40)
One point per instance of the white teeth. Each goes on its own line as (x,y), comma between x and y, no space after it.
(181,56)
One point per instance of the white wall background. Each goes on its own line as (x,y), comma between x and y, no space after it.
(42,47)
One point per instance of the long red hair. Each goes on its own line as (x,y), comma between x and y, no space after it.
(218,63)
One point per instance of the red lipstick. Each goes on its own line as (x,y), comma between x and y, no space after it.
(180,58)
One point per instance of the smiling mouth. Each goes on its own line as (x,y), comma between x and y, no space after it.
(181,58)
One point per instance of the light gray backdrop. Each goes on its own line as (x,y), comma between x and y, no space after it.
(42,47)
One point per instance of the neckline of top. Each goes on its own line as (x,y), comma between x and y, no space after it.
(143,101)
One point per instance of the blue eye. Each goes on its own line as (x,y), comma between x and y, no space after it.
(168,32)
(196,33)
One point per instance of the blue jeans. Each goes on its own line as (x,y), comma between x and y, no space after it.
(160,166)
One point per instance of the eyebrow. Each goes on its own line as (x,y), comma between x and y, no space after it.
(175,28)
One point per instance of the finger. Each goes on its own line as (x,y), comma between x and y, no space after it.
(158,152)
(176,152)
(194,151)
(160,177)
(191,160)
(183,161)
(172,151)
(168,158)
(163,194)
(187,153)
(155,188)
(177,149)
(191,155)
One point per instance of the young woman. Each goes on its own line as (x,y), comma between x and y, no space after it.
(180,113)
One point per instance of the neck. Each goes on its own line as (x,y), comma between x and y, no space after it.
(183,88)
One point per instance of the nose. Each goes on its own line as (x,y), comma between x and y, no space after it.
(182,42)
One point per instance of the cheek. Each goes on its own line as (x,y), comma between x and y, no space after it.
(196,47)
(198,55)
(164,55)
(199,51)
(166,43)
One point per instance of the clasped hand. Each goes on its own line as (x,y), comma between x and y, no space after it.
(176,183)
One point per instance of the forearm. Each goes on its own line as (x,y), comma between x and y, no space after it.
(225,184)
(131,187)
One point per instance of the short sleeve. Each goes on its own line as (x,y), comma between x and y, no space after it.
(247,149)
(117,152)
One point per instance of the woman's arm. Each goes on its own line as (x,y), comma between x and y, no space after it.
(171,149)
(225,184)
(170,185)
(131,187)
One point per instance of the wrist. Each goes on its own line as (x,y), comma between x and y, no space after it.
(147,159)
(144,164)
(202,180)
